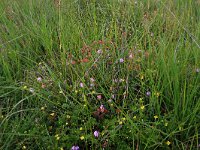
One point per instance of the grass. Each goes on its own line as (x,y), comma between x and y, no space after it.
(103,74)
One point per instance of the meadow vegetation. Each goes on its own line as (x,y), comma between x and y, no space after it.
(99,74)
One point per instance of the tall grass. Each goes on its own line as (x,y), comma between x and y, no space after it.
(126,69)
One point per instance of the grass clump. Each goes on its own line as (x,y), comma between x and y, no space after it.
(99,74)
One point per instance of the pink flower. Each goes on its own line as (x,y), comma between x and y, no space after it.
(99,97)
(92,79)
(102,108)
(96,134)
(131,56)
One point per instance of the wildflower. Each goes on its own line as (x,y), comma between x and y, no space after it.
(42,108)
(148,93)
(157,94)
(121,80)
(76,91)
(99,97)
(102,108)
(96,134)
(142,107)
(131,56)
(99,51)
(91,84)
(81,85)
(24,147)
(141,77)
(93,92)
(155,117)
(113,96)
(52,114)
(120,122)
(92,79)
(39,79)
(166,124)
(61,148)
(135,117)
(68,116)
(57,137)
(81,128)
(168,142)
(82,137)
(110,100)
(25,87)
(60,92)
(197,70)
(121,60)
(31,90)
(123,119)
(75,148)
(43,85)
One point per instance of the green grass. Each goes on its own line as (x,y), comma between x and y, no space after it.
(59,62)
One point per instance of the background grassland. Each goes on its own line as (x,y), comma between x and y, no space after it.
(144,59)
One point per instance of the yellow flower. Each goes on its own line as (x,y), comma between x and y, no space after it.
(168,142)
(135,117)
(52,114)
(123,119)
(166,124)
(60,92)
(76,91)
(157,94)
(141,77)
(81,128)
(82,137)
(61,148)
(142,107)
(24,147)
(93,92)
(25,87)
(120,122)
(57,137)
(155,117)
(42,108)
(68,117)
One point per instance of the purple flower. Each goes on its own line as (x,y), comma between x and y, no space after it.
(121,60)
(81,85)
(75,148)
(96,134)
(39,79)
(148,93)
